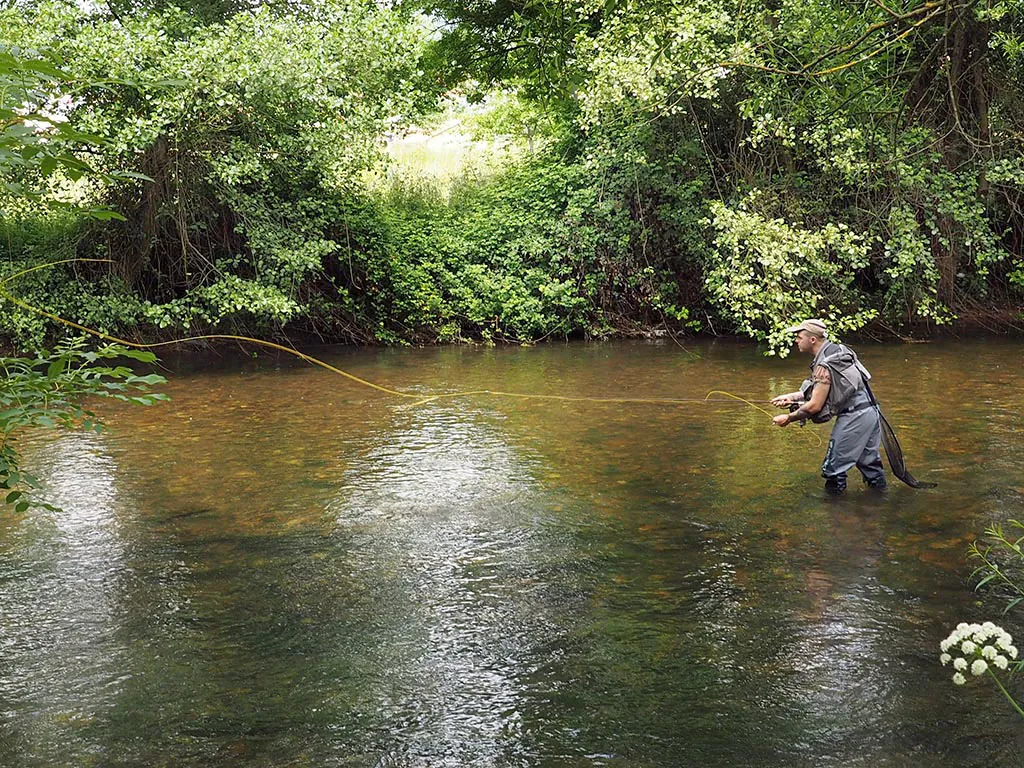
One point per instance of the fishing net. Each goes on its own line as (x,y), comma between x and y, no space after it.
(894,452)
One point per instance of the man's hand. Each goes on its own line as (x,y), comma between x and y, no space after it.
(781,420)
(782,401)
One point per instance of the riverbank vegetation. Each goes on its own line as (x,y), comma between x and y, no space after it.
(50,388)
(436,171)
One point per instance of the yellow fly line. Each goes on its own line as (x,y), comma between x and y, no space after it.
(418,399)
(206,337)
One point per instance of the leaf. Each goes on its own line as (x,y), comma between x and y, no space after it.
(150,379)
(57,367)
(47,165)
(142,355)
(985,581)
(21,506)
(13,496)
(133,175)
(69,133)
(43,68)
(105,214)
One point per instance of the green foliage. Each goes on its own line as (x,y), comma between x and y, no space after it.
(881,146)
(912,272)
(37,142)
(507,115)
(1000,559)
(492,260)
(765,272)
(743,163)
(535,251)
(255,135)
(48,391)
(486,43)
(34,136)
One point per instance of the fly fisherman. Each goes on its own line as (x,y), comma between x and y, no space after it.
(837,387)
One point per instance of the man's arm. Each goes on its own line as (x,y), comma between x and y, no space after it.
(788,399)
(822,384)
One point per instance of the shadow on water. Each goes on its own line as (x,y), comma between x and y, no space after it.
(279,569)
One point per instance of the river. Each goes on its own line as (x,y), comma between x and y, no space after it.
(281,567)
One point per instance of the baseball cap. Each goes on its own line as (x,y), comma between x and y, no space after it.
(816,327)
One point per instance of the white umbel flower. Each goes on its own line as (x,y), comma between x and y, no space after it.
(978,648)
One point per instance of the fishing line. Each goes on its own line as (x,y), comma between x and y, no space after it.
(755,405)
(205,337)
(418,399)
(737,397)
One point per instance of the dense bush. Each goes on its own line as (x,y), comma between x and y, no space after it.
(709,164)
(252,132)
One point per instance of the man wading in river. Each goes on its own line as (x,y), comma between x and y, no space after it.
(837,387)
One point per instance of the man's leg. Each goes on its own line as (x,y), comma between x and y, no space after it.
(851,436)
(835,485)
(870,461)
(835,465)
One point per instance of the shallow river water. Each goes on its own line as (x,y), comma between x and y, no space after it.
(283,568)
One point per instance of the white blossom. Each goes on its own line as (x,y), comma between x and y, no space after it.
(981,645)
(982,635)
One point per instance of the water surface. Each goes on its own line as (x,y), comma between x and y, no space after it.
(281,568)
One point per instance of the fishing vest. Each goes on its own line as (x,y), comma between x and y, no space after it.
(848,378)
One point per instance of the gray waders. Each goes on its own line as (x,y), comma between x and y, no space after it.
(855,440)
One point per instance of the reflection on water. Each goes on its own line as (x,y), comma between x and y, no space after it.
(278,568)
(76,558)
(453,512)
